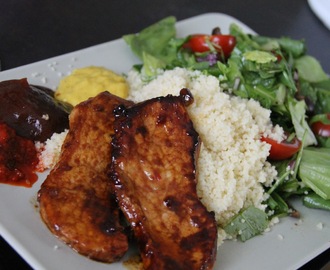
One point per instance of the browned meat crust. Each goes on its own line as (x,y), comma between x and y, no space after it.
(153,170)
(76,200)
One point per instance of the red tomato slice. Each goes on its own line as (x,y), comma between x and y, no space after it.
(282,150)
(221,43)
(322,127)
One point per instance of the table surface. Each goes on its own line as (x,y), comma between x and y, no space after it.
(35,30)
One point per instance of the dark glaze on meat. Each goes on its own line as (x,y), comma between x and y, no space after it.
(76,200)
(153,171)
(31,110)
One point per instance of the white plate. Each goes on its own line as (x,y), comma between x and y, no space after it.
(288,245)
(321,8)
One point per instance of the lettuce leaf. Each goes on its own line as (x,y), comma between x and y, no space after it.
(298,114)
(247,224)
(314,170)
(310,69)
(154,39)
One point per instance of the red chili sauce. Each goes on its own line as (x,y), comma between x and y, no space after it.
(18,158)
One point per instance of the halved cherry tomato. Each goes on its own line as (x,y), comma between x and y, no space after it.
(282,150)
(320,124)
(278,56)
(223,44)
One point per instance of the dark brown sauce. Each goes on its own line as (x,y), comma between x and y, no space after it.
(31,110)
(18,158)
(186,96)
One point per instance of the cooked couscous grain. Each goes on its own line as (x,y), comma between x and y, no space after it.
(49,151)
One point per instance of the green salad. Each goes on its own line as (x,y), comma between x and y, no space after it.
(277,73)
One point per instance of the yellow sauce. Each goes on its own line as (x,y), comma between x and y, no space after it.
(89,81)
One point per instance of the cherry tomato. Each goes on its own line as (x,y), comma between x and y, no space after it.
(282,150)
(278,56)
(223,44)
(320,124)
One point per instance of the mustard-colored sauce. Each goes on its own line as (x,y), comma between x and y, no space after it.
(87,82)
